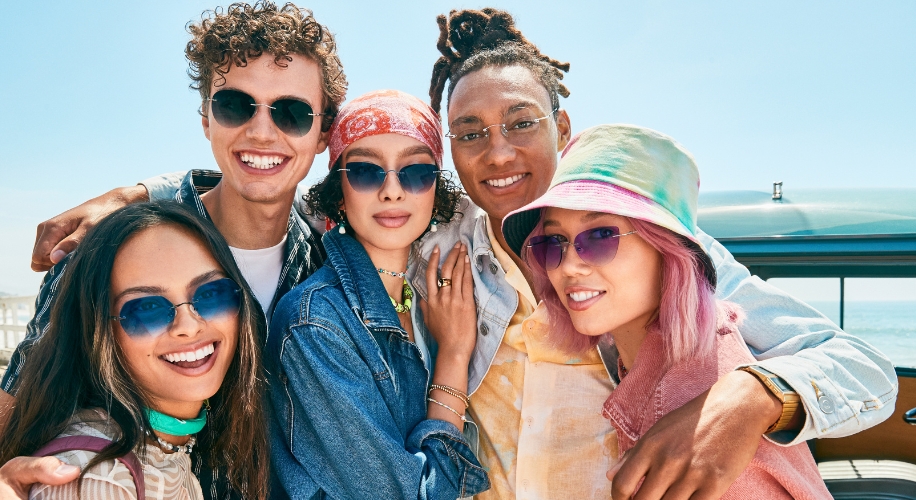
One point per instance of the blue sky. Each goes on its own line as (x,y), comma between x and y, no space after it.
(816,94)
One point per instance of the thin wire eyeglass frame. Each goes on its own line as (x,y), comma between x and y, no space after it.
(486,130)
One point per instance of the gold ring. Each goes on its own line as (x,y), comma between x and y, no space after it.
(444,282)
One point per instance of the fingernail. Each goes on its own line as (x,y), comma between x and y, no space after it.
(467,259)
(57,255)
(457,244)
(66,469)
(436,249)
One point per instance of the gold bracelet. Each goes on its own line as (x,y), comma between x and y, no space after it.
(449,408)
(452,392)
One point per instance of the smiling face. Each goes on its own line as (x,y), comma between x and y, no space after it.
(186,364)
(619,297)
(260,162)
(388,218)
(501,176)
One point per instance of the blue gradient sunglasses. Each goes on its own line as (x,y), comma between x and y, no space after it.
(415,179)
(153,315)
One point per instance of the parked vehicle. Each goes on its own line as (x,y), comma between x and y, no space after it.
(842,235)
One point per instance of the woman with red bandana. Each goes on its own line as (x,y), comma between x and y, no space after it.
(369,390)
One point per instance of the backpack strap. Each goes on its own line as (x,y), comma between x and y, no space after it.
(96,445)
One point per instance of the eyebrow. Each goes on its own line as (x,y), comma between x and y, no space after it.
(421,149)
(284,96)
(584,219)
(471,119)
(364,152)
(416,150)
(158,290)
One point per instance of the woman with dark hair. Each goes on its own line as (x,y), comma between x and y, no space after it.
(614,252)
(370,394)
(153,338)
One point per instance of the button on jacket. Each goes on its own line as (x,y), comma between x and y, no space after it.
(349,393)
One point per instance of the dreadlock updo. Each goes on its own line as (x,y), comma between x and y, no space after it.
(473,39)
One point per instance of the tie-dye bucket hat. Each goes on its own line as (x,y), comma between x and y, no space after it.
(624,170)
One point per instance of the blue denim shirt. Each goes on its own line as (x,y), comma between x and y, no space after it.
(349,394)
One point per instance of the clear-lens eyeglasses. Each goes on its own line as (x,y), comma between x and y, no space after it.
(516,132)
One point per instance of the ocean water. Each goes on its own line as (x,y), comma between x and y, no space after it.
(888,326)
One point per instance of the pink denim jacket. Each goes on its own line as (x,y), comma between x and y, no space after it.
(649,392)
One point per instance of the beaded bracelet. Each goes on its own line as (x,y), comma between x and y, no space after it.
(449,408)
(452,392)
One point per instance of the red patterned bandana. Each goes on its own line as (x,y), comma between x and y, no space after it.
(385,112)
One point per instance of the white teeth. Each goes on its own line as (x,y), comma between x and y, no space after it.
(508,181)
(260,162)
(199,354)
(581,296)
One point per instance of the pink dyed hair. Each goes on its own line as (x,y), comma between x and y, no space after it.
(687,309)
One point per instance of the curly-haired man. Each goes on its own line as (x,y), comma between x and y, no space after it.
(270,84)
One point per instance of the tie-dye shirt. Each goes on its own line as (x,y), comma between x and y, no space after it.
(539,410)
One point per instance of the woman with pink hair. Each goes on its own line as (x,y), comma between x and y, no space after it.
(614,252)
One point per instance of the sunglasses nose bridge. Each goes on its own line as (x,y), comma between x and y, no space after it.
(178,326)
(389,184)
(262,127)
(572,262)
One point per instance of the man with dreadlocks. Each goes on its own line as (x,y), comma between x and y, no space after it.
(536,406)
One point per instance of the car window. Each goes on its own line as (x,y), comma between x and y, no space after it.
(880,311)
(821,293)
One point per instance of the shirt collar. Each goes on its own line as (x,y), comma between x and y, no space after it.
(514,275)
(302,253)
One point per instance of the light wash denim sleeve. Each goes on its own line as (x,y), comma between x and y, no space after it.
(165,186)
(336,423)
(845,385)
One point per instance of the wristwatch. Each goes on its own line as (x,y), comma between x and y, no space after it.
(783,392)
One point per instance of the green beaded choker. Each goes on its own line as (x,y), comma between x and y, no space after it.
(408,295)
(172,426)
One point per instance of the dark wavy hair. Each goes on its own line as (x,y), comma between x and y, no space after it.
(324,199)
(78,362)
(230,37)
(470,40)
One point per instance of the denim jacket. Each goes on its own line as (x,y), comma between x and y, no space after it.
(845,384)
(349,394)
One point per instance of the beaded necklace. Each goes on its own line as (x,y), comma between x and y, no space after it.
(405,291)
(174,448)
(392,273)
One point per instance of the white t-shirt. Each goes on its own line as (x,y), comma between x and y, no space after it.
(261,269)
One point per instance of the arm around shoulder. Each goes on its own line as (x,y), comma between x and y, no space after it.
(845,385)
(164,186)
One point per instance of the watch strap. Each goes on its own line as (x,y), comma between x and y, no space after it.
(790,399)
